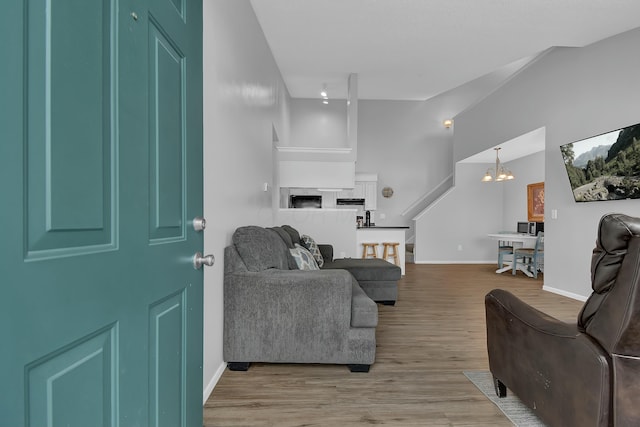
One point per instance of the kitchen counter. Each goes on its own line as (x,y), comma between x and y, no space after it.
(380,234)
(382,227)
(318,210)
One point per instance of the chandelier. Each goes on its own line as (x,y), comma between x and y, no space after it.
(499,173)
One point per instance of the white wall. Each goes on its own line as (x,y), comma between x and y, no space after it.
(574,93)
(454,229)
(314,124)
(527,170)
(244,100)
(474,209)
(405,143)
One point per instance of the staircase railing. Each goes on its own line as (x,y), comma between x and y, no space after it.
(432,196)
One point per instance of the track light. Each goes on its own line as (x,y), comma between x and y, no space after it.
(324,94)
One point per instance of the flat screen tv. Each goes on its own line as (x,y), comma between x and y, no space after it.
(605,167)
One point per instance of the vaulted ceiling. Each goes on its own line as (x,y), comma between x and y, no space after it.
(416,49)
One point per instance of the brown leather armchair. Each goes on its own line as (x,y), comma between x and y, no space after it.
(584,374)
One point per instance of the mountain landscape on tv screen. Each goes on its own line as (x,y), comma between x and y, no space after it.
(608,171)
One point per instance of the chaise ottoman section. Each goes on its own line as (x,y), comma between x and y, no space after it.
(377,278)
(364,313)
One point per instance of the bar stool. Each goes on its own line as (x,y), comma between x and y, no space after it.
(391,250)
(369,250)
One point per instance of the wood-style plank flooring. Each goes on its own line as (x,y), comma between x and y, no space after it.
(435,331)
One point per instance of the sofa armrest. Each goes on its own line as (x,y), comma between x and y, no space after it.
(286,315)
(545,361)
(327,252)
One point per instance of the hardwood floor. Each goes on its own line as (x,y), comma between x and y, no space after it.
(434,332)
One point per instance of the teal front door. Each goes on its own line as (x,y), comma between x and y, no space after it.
(100,179)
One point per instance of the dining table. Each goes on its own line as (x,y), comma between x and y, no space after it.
(518,240)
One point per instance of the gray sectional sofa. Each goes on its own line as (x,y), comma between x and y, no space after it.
(277,313)
(377,278)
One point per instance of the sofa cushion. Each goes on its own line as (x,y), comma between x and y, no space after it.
(286,237)
(369,269)
(327,252)
(312,246)
(304,259)
(293,233)
(260,248)
(364,312)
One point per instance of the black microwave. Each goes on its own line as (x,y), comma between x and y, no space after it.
(531,228)
(301,202)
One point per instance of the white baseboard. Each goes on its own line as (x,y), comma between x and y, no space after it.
(212,383)
(545,287)
(564,293)
(454,262)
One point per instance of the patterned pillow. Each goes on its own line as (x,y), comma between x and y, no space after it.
(303,258)
(312,246)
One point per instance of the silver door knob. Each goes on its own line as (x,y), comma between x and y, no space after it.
(199,260)
(199,223)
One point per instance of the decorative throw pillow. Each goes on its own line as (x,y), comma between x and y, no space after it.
(312,246)
(303,258)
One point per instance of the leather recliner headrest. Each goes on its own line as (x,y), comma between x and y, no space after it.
(614,233)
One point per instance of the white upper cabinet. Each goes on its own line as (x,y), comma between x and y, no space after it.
(369,183)
(370,195)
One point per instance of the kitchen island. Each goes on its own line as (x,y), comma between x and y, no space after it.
(381,234)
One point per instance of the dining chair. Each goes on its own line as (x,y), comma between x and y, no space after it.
(531,258)
(505,247)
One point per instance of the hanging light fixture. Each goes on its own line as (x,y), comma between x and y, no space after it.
(499,173)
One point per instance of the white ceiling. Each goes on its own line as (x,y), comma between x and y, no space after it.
(416,49)
(524,145)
